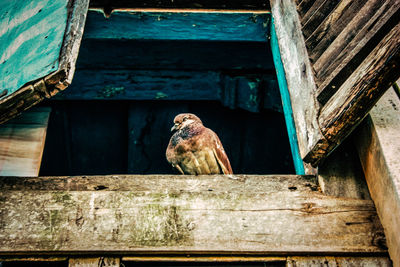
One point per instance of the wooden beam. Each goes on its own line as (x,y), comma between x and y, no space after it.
(351,103)
(268,215)
(286,104)
(22,143)
(214,26)
(379,152)
(298,75)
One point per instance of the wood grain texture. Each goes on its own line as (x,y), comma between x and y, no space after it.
(304,6)
(354,38)
(351,103)
(125,24)
(286,103)
(94,262)
(379,153)
(22,142)
(298,74)
(332,25)
(175,214)
(316,15)
(338,261)
(31,36)
(66,30)
(77,13)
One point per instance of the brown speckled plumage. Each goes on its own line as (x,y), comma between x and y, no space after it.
(195,149)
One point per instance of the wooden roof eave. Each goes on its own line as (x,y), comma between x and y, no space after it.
(35,91)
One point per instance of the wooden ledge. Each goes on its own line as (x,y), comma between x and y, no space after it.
(152,214)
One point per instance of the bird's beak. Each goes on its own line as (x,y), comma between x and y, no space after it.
(175,127)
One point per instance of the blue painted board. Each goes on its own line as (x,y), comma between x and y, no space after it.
(286,104)
(31,35)
(142,85)
(212,26)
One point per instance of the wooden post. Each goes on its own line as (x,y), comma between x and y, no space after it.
(379,150)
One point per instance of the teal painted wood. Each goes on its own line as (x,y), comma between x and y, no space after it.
(178,26)
(31,35)
(287,107)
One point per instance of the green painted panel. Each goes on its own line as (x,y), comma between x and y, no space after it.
(31,35)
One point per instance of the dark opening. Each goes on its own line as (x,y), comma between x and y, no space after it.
(116,116)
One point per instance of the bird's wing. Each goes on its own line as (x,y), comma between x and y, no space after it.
(220,154)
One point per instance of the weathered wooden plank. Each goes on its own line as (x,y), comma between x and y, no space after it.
(22,142)
(215,26)
(94,262)
(316,15)
(379,153)
(286,104)
(361,32)
(31,36)
(144,85)
(331,27)
(311,262)
(363,261)
(358,94)
(190,214)
(304,6)
(72,40)
(67,28)
(341,174)
(338,261)
(298,74)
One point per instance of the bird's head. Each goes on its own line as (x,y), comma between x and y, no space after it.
(183,120)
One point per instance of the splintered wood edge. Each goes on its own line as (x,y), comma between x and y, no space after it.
(34,92)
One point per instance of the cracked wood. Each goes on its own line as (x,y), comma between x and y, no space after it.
(192,214)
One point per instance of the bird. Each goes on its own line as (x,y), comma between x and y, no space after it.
(195,149)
